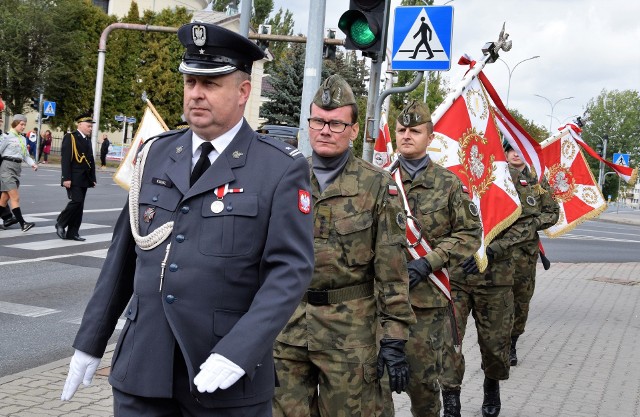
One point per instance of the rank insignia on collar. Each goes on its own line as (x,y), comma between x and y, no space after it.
(179,149)
(148,214)
(236,154)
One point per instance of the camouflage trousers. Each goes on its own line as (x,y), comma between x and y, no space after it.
(492,310)
(424,354)
(524,283)
(327,383)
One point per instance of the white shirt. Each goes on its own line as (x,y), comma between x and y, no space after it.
(219,144)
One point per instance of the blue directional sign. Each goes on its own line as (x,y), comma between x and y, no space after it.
(49,108)
(621,159)
(422,38)
(119,118)
(131,120)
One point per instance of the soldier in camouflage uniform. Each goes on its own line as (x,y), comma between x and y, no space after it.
(489,297)
(538,203)
(449,223)
(327,358)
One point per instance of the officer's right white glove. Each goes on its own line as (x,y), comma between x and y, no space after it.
(81,369)
(217,372)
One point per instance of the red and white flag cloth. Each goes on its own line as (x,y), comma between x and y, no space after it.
(574,187)
(628,174)
(519,139)
(150,126)
(383,150)
(467,142)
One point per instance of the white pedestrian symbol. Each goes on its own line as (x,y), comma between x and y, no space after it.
(621,161)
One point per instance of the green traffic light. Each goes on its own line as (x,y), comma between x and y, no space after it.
(361,33)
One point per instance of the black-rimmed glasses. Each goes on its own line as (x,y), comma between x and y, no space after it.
(335,126)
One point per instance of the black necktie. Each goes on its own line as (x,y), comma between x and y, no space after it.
(203,163)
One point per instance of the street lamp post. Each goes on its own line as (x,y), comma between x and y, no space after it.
(511,72)
(553,105)
(602,146)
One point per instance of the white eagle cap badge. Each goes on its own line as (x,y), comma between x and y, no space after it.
(199,35)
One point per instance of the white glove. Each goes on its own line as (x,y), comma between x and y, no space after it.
(217,372)
(81,369)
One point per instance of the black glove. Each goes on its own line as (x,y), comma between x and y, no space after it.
(392,355)
(419,269)
(469,266)
(546,263)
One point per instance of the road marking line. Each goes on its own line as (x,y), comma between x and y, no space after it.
(41,230)
(58,243)
(95,253)
(25,310)
(78,320)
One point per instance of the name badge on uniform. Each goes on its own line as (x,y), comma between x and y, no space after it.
(161,181)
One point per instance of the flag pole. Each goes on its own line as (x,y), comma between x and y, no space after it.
(491,54)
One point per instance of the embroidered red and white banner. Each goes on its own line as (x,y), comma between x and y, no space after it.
(467,142)
(574,187)
(383,150)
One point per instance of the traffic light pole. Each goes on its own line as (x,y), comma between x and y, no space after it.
(36,153)
(374,90)
(312,70)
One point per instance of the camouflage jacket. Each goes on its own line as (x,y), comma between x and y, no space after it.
(449,223)
(358,237)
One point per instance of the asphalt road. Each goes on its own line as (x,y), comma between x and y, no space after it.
(45,282)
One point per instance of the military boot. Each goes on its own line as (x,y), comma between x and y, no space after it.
(451,403)
(513,356)
(491,404)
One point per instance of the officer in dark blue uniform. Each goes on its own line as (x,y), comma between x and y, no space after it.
(78,173)
(212,253)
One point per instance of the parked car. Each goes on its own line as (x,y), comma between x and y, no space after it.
(288,134)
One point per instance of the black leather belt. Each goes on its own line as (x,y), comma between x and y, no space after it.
(333,296)
(8,158)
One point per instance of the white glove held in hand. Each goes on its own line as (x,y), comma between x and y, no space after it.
(81,369)
(217,372)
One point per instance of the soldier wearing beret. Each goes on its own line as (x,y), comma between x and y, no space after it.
(442,221)
(489,294)
(78,174)
(327,357)
(212,253)
(537,203)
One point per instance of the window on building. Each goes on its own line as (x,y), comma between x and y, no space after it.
(103,4)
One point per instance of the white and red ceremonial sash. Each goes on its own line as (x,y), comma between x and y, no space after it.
(418,246)
(467,142)
(383,150)
(574,187)
(628,174)
(150,126)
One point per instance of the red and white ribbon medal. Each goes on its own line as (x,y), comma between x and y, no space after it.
(218,205)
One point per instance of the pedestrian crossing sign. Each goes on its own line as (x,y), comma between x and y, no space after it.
(49,108)
(621,159)
(422,38)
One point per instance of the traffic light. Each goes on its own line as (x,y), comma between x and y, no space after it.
(35,103)
(329,51)
(264,30)
(364,25)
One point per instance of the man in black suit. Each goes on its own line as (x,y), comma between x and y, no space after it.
(78,174)
(213,253)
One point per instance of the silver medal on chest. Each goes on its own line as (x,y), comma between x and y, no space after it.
(217,206)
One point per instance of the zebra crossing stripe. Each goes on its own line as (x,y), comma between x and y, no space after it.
(25,310)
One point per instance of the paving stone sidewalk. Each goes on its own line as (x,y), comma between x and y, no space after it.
(579,357)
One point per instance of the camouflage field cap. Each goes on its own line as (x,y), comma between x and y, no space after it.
(333,93)
(416,113)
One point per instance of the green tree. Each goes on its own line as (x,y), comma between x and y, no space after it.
(615,114)
(261,11)
(287,78)
(282,23)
